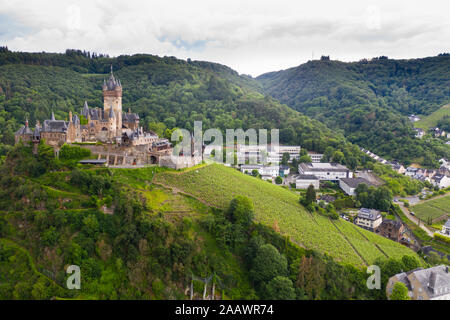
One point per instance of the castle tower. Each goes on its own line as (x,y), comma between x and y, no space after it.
(112,98)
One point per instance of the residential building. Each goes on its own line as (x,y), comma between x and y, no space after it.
(446,228)
(424,284)
(441,181)
(419,133)
(349,185)
(315,157)
(397,167)
(326,198)
(413,118)
(368,219)
(303,181)
(251,153)
(411,171)
(391,229)
(325,171)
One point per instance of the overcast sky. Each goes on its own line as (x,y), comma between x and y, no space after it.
(251,37)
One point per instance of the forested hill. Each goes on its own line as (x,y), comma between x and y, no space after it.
(369,100)
(166,92)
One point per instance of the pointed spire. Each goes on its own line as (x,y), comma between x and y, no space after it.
(111,69)
(53,116)
(26,121)
(70,116)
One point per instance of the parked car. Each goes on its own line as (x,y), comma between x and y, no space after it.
(412,213)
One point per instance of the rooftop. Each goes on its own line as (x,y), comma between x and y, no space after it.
(322,166)
(370,214)
(354,182)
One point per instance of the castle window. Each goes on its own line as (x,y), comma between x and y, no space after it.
(104,129)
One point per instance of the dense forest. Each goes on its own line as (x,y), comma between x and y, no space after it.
(165,92)
(369,100)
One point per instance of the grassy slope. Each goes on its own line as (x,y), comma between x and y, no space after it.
(217,185)
(432,119)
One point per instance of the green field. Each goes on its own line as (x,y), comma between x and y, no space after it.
(432,119)
(217,185)
(432,208)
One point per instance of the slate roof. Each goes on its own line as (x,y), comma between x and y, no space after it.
(54,126)
(370,214)
(354,182)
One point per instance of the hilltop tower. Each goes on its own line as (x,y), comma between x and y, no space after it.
(112,99)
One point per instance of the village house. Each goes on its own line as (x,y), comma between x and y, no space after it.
(368,219)
(419,133)
(411,171)
(264,171)
(349,185)
(325,171)
(441,181)
(397,167)
(413,118)
(424,284)
(326,198)
(446,228)
(391,229)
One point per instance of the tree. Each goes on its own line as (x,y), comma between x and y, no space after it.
(240,211)
(268,264)
(285,158)
(305,159)
(310,195)
(255,172)
(399,292)
(279,288)
(278,180)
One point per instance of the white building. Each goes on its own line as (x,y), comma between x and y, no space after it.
(368,219)
(273,171)
(441,181)
(446,228)
(275,153)
(303,181)
(349,185)
(325,171)
(411,171)
(251,153)
(248,168)
(315,157)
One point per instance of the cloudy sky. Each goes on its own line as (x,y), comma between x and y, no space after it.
(252,37)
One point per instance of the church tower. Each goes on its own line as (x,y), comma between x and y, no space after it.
(112,99)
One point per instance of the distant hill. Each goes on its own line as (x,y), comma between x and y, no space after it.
(432,120)
(369,100)
(165,92)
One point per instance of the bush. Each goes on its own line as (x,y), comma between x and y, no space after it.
(442,238)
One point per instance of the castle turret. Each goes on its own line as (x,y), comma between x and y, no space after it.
(112,100)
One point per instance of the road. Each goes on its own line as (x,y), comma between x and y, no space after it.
(415,220)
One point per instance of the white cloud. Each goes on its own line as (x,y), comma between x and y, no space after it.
(250,36)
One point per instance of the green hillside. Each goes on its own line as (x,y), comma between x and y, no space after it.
(432,209)
(165,92)
(217,185)
(368,101)
(147,233)
(433,119)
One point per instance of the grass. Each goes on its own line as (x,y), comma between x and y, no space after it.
(433,209)
(217,185)
(432,119)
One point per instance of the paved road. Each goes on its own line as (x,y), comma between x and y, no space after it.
(415,220)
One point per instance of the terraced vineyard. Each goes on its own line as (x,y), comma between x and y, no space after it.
(217,185)
(433,208)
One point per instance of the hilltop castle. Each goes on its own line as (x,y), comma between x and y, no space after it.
(123,141)
(107,125)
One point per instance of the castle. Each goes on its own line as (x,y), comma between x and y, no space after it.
(122,140)
(107,125)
